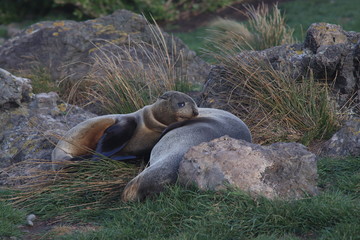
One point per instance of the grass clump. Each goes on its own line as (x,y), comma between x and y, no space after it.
(78,186)
(265,28)
(136,75)
(274,105)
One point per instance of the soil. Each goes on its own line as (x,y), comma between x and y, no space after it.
(235,12)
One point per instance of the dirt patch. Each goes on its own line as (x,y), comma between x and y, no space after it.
(48,229)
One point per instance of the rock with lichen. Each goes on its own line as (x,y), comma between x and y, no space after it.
(29,130)
(345,142)
(280,170)
(13,89)
(67,48)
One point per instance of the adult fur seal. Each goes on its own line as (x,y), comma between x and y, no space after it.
(178,138)
(125,136)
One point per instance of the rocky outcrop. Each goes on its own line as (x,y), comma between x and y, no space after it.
(67,48)
(30,128)
(280,170)
(328,52)
(345,142)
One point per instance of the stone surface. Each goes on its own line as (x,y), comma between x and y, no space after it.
(13,90)
(67,48)
(280,170)
(324,34)
(29,132)
(345,142)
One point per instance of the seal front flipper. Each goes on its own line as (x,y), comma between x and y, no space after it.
(116,136)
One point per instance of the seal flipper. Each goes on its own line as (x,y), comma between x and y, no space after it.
(116,137)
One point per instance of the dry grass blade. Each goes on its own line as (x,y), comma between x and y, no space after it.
(269,26)
(77,184)
(277,107)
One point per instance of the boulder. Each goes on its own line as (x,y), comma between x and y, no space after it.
(345,142)
(280,170)
(67,48)
(30,128)
(324,34)
(328,52)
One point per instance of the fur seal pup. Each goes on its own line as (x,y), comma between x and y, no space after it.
(178,138)
(125,136)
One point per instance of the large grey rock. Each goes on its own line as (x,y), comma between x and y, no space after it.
(13,90)
(67,48)
(345,142)
(281,170)
(29,132)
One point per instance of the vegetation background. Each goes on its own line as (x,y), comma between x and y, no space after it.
(93,213)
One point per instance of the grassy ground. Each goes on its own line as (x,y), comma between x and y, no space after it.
(300,14)
(10,218)
(190,214)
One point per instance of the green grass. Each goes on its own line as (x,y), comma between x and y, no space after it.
(194,39)
(300,14)
(341,175)
(41,81)
(191,214)
(10,219)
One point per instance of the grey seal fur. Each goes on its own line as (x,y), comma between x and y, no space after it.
(168,152)
(131,134)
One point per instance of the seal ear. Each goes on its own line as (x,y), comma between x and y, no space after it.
(165,96)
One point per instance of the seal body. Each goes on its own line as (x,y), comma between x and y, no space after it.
(125,136)
(178,138)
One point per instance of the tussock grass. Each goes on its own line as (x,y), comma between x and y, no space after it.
(135,75)
(81,185)
(275,105)
(265,28)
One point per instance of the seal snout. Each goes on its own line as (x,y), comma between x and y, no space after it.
(195,112)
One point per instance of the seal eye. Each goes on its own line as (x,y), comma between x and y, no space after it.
(181,104)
